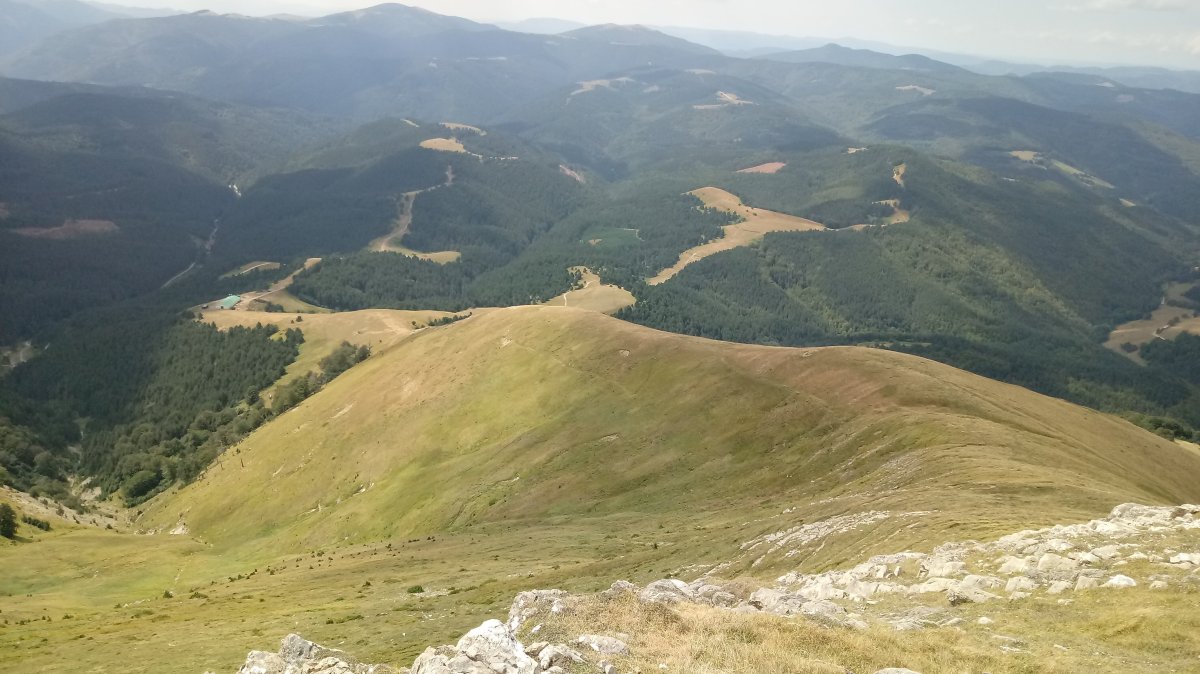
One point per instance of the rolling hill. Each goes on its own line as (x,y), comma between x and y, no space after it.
(415,469)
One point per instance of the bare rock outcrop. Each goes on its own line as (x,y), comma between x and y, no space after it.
(297,655)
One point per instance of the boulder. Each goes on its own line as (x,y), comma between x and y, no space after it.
(1086,583)
(558,656)
(1120,582)
(1052,563)
(1016,565)
(493,644)
(526,605)
(1107,552)
(603,645)
(1158,585)
(1020,584)
(965,594)
(620,588)
(669,591)
(936,567)
(1058,587)
(982,582)
(297,655)
(1191,558)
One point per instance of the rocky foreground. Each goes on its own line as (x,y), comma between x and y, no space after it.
(1065,561)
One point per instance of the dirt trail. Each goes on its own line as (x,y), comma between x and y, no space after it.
(594,295)
(389,243)
(756,224)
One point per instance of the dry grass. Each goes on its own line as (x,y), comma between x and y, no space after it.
(391,242)
(444,145)
(756,223)
(592,295)
(71,229)
(592,85)
(769,168)
(1166,322)
(552,447)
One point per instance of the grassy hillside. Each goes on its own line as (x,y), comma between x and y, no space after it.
(417,469)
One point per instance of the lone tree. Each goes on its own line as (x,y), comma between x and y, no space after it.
(8,521)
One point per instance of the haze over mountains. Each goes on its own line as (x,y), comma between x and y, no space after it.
(315,304)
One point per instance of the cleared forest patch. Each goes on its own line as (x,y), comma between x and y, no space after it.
(444,145)
(593,295)
(70,229)
(756,223)
(769,168)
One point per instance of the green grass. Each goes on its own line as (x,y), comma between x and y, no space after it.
(549,447)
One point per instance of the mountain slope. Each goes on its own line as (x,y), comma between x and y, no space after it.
(615,420)
(863,58)
(24,23)
(549,447)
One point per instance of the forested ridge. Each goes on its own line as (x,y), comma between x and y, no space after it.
(1012,266)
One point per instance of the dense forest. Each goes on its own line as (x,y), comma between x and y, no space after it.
(161,396)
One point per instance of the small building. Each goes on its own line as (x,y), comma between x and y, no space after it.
(230,302)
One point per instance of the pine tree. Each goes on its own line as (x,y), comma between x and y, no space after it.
(8,521)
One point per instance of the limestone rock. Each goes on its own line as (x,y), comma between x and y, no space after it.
(526,605)
(297,655)
(558,656)
(1020,584)
(1120,582)
(1058,587)
(619,588)
(494,645)
(603,645)
(965,594)
(1052,563)
(1086,583)
(669,591)
(1017,566)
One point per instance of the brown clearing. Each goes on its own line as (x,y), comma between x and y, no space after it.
(898,174)
(390,242)
(4,212)
(1158,326)
(592,85)
(769,168)
(1033,157)
(592,295)
(71,229)
(444,145)
(727,99)
(756,224)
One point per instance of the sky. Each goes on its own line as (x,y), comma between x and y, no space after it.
(1147,32)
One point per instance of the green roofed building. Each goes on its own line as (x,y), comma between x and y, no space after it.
(231,301)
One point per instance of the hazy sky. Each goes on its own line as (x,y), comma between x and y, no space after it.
(1158,32)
